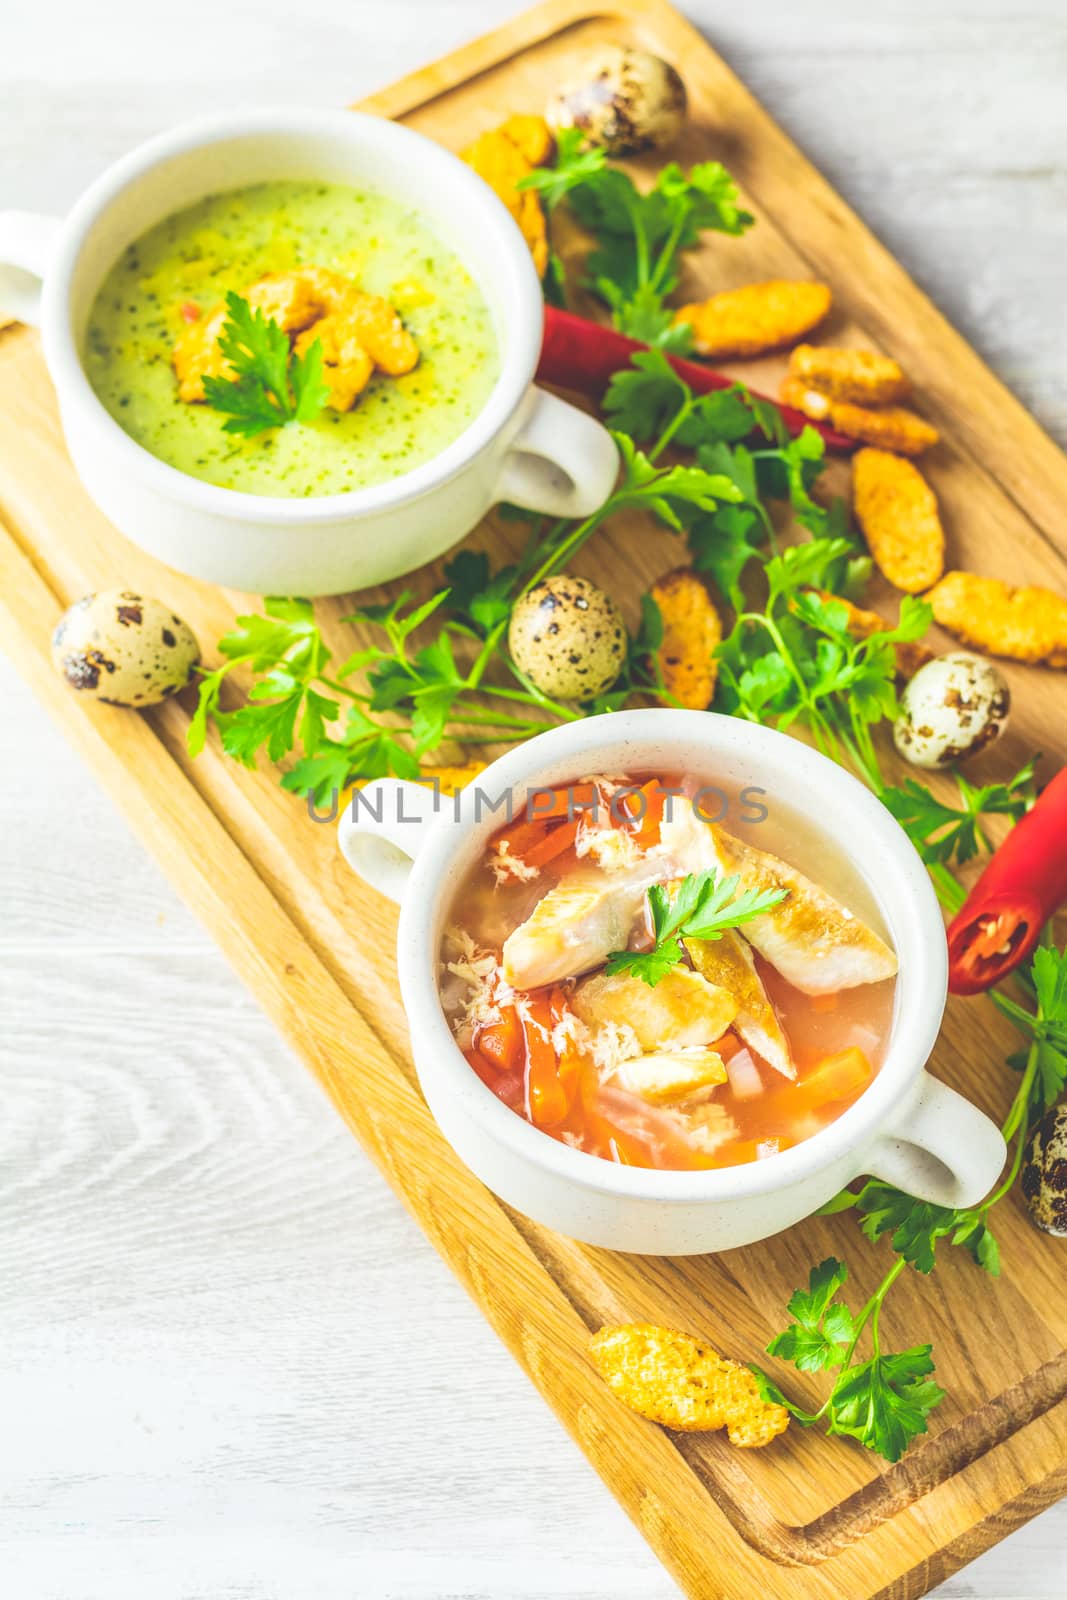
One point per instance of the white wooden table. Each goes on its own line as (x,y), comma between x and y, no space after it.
(230,1365)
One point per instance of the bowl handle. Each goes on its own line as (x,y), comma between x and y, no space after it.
(562,461)
(943,1149)
(27,239)
(382,830)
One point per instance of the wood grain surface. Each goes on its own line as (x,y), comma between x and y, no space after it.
(73,548)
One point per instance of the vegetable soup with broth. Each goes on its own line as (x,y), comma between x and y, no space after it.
(316,258)
(662,989)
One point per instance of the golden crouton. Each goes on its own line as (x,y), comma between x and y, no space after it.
(678,1381)
(291,299)
(888,427)
(502,162)
(691,632)
(358,332)
(1023,624)
(196,355)
(801,396)
(530,135)
(447,781)
(859,375)
(329,288)
(911,655)
(759,317)
(897,513)
(450,780)
(347,367)
(377,326)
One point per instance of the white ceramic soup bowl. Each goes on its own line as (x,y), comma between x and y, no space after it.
(525,446)
(907,1127)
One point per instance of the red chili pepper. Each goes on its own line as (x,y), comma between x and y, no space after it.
(190,311)
(1023,886)
(583,355)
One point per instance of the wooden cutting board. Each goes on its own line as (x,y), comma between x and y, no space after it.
(810,1517)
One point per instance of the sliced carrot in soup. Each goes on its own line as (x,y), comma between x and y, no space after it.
(555,841)
(501,1043)
(546,1097)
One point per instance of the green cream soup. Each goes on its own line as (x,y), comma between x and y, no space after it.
(230,240)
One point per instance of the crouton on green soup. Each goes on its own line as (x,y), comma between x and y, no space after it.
(407,342)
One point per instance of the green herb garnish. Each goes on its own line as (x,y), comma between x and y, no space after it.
(640,236)
(943,833)
(883,1401)
(703,906)
(271,385)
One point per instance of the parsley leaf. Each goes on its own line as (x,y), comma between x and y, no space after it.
(915,1226)
(884,1402)
(822,1327)
(1046,1029)
(640,235)
(723,543)
(703,906)
(479,597)
(271,385)
(947,833)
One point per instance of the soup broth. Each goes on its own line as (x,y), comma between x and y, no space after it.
(186,264)
(751,1043)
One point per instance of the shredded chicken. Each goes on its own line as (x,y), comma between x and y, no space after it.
(614,849)
(506,867)
(480,975)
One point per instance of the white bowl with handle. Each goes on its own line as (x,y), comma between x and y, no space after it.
(907,1127)
(525,445)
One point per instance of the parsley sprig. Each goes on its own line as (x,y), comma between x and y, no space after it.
(703,906)
(271,385)
(640,236)
(947,835)
(883,1401)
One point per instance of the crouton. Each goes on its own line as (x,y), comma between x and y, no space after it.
(347,367)
(892,428)
(450,780)
(1023,624)
(692,631)
(501,161)
(759,317)
(531,136)
(291,299)
(681,1383)
(897,512)
(911,655)
(377,326)
(859,375)
(802,397)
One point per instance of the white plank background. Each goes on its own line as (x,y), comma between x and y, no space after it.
(230,1367)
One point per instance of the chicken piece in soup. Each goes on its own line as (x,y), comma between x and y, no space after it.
(651,987)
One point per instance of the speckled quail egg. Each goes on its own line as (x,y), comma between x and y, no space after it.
(1045,1172)
(568,637)
(622,100)
(953,707)
(124,649)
